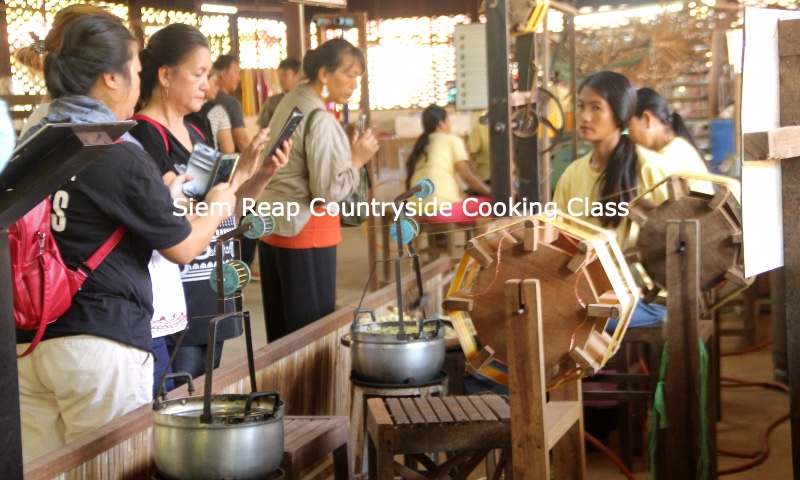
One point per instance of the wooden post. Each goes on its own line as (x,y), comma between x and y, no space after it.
(5,52)
(679,445)
(537,426)
(526,381)
(572,443)
(296,35)
(500,139)
(789,56)
(11,437)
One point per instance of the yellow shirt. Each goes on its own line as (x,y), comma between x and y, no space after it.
(438,163)
(578,189)
(681,156)
(478,143)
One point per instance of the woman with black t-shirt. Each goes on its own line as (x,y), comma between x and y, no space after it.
(94,363)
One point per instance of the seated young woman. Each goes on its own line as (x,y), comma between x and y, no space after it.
(442,158)
(613,172)
(656,127)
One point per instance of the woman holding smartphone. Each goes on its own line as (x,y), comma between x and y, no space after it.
(174,76)
(298,261)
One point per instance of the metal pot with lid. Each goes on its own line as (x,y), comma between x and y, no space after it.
(404,352)
(242,439)
(210,437)
(401,352)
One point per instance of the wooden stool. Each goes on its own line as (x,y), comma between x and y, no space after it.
(471,426)
(632,388)
(363,391)
(308,440)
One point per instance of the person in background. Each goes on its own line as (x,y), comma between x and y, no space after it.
(230,74)
(478,146)
(94,363)
(289,77)
(298,261)
(614,171)
(229,77)
(32,56)
(212,118)
(441,157)
(174,77)
(656,127)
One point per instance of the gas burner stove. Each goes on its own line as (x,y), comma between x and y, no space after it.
(278,475)
(436,380)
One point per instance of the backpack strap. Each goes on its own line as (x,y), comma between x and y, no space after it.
(36,339)
(307,125)
(101,253)
(155,125)
(199,132)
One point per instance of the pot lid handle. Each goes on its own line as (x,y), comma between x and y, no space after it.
(248,404)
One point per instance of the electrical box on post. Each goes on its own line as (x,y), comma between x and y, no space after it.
(472,87)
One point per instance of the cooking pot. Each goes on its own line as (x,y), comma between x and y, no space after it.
(244,439)
(210,437)
(411,354)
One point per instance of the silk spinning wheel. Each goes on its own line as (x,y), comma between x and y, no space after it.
(584,281)
(720,217)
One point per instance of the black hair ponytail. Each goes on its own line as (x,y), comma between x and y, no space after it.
(431,117)
(92,46)
(680,129)
(649,99)
(619,179)
(618,183)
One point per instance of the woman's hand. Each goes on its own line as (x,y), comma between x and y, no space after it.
(364,147)
(222,199)
(275,163)
(248,164)
(176,185)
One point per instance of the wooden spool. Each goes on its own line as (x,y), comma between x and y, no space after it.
(575,262)
(720,219)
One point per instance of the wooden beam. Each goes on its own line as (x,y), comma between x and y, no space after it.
(789,62)
(10,438)
(776,144)
(679,445)
(296,35)
(789,56)
(526,380)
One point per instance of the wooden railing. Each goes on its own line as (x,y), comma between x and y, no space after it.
(309,368)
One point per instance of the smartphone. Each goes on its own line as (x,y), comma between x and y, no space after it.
(226,169)
(203,164)
(288,129)
(361,122)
